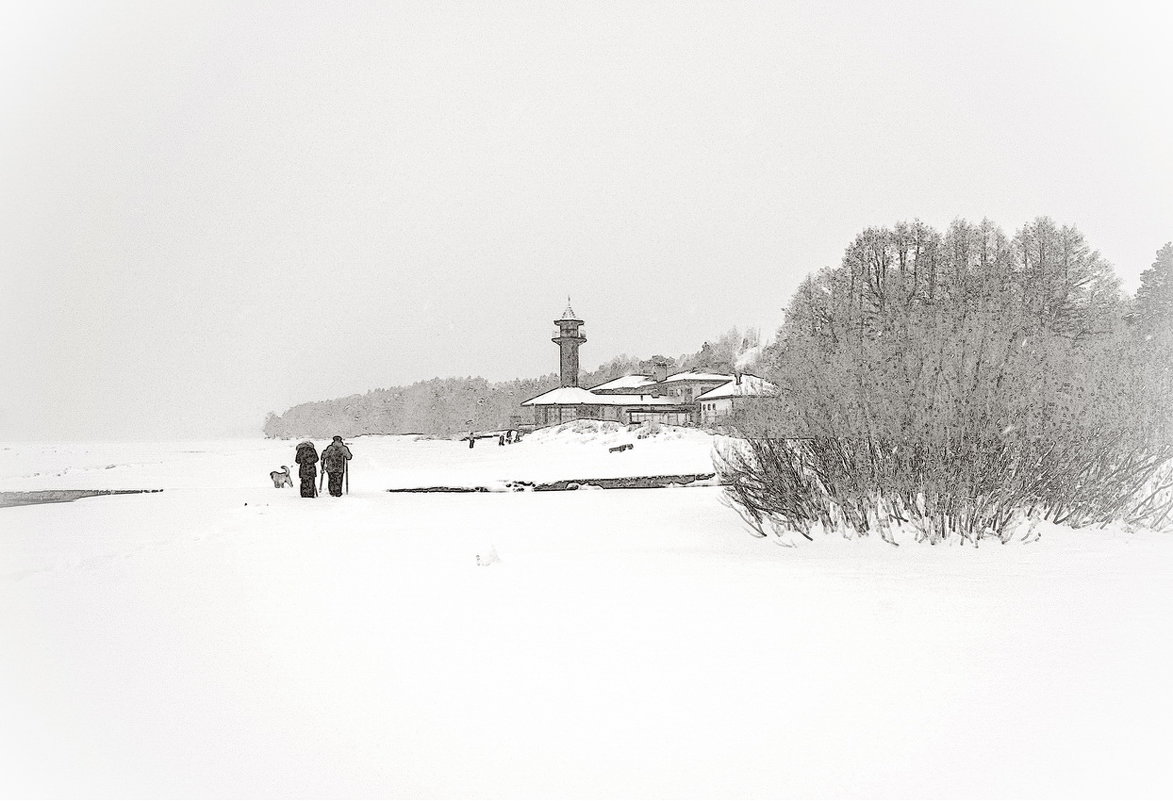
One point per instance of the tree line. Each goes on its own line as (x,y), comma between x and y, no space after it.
(963,382)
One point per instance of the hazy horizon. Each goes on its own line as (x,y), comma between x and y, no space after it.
(212,211)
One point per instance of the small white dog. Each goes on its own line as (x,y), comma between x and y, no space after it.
(281,477)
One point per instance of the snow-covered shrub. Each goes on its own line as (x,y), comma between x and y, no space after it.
(862,487)
(645,430)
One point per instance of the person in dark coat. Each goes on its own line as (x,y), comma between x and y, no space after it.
(334,460)
(307,458)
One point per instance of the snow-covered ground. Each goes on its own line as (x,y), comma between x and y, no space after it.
(226,638)
(573,450)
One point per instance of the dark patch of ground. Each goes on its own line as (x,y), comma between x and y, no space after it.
(631,482)
(60,496)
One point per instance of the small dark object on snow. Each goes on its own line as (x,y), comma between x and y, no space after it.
(621,448)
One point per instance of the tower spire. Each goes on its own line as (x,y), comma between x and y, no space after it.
(569,313)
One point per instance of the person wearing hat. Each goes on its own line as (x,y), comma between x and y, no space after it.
(334,460)
(307,458)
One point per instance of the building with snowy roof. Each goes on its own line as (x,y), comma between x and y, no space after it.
(689,385)
(723,401)
(674,399)
(566,404)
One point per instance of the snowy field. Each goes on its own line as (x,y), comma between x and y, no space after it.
(226,638)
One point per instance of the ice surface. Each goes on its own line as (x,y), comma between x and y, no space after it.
(228,638)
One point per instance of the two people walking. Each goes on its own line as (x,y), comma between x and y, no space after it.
(334,459)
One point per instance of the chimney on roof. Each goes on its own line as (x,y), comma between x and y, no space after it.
(660,370)
(737,377)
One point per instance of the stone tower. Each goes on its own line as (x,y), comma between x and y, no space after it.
(568,338)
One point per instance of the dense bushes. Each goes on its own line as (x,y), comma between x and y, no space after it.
(960,384)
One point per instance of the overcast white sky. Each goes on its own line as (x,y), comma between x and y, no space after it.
(209,211)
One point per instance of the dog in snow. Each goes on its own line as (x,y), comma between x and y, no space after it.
(281,477)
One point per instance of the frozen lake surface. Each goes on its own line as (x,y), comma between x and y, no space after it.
(226,638)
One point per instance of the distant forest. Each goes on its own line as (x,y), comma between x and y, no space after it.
(449,406)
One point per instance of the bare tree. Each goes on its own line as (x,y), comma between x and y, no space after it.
(957,382)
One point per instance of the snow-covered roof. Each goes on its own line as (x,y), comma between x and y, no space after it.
(625,382)
(692,375)
(564,395)
(576,396)
(750,385)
